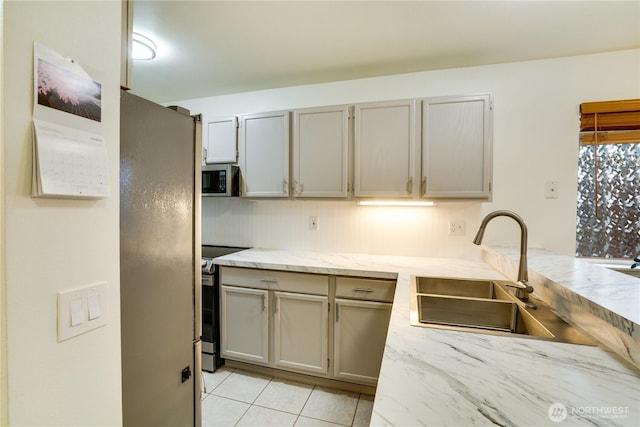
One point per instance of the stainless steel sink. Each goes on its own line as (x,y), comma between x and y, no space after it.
(486,306)
(468,312)
(455,287)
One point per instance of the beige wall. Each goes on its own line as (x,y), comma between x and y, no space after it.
(52,245)
(3,319)
(535,141)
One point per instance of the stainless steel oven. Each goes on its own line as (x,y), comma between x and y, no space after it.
(210,305)
(209,341)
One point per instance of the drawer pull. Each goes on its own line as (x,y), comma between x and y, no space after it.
(269,280)
(367,290)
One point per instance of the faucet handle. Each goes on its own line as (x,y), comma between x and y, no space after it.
(522,284)
(523,289)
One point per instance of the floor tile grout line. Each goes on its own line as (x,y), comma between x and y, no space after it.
(353,418)
(232,370)
(327,389)
(274,409)
(243,414)
(262,391)
(307,400)
(236,400)
(232,399)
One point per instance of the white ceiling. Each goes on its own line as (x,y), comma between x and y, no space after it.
(208,48)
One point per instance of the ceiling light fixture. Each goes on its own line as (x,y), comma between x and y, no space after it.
(393,203)
(143,47)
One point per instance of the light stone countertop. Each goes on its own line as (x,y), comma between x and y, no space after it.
(439,377)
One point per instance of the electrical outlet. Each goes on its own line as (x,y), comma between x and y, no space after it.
(314,222)
(456,228)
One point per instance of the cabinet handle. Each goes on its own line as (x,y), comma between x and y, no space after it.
(410,185)
(424,185)
(337,312)
(264,306)
(204,149)
(275,303)
(285,187)
(367,290)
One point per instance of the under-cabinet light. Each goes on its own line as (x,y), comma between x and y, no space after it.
(394,203)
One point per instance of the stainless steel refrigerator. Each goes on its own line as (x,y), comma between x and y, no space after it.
(160,256)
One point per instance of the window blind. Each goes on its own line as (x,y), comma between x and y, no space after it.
(610,122)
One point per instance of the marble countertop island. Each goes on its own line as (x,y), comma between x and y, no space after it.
(441,377)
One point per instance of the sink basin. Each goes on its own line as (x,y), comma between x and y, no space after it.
(455,287)
(470,312)
(486,306)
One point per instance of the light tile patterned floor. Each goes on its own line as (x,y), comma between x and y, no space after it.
(238,398)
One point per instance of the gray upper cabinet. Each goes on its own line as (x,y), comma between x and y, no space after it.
(431,148)
(385,149)
(457,147)
(221,140)
(264,154)
(321,152)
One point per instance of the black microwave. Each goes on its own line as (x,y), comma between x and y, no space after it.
(220,181)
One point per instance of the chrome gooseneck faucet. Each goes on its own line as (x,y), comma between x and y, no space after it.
(523,288)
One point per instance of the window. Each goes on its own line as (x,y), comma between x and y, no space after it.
(608,223)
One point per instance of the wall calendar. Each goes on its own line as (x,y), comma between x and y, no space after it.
(70,158)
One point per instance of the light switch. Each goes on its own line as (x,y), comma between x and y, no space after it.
(81,310)
(94,306)
(551,189)
(77,313)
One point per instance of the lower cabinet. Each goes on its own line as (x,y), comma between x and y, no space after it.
(244,326)
(328,326)
(359,336)
(300,332)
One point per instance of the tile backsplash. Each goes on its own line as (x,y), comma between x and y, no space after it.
(343,226)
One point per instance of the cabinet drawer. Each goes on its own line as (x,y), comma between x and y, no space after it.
(365,289)
(275,280)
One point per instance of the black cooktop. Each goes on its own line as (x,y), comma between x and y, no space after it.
(212,251)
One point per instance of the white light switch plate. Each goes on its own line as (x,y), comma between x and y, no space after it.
(551,189)
(81,310)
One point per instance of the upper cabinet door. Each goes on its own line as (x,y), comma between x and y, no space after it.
(456,147)
(321,152)
(221,141)
(264,154)
(385,149)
